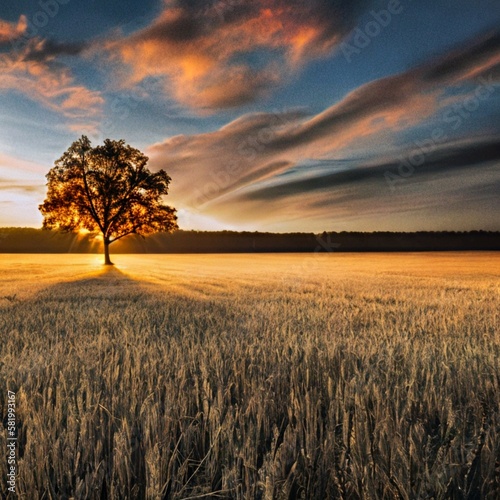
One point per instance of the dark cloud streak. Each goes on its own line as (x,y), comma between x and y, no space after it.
(48,50)
(445,158)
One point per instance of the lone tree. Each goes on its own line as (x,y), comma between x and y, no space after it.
(106,189)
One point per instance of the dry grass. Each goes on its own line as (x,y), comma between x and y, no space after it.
(351,376)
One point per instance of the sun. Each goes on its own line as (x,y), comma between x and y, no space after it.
(93,235)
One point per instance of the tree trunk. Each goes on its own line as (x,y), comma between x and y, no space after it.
(107,260)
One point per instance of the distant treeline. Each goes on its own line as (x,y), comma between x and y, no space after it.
(29,240)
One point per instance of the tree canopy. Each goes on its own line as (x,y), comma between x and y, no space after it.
(106,189)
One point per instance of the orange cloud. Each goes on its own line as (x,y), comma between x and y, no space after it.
(41,78)
(205,51)
(10,31)
(490,64)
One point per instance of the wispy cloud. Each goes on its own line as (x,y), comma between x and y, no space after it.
(37,72)
(222,161)
(464,173)
(14,170)
(22,187)
(225,53)
(471,61)
(261,157)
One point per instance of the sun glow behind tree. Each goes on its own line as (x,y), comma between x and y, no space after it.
(106,190)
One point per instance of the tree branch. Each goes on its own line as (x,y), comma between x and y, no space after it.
(93,211)
(123,235)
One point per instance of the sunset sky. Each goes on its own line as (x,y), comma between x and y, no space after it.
(269,115)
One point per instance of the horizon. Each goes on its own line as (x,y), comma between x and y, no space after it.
(365,116)
(33,240)
(269,232)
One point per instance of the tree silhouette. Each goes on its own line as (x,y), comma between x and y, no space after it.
(108,190)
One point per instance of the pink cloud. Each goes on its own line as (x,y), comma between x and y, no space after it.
(9,31)
(48,82)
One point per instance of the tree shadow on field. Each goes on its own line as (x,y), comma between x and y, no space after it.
(106,289)
(107,282)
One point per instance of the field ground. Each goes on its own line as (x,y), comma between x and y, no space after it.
(253,376)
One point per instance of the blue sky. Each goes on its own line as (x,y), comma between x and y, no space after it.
(270,115)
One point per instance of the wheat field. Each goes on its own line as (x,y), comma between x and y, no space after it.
(357,376)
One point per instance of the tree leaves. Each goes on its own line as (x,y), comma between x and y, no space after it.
(107,189)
